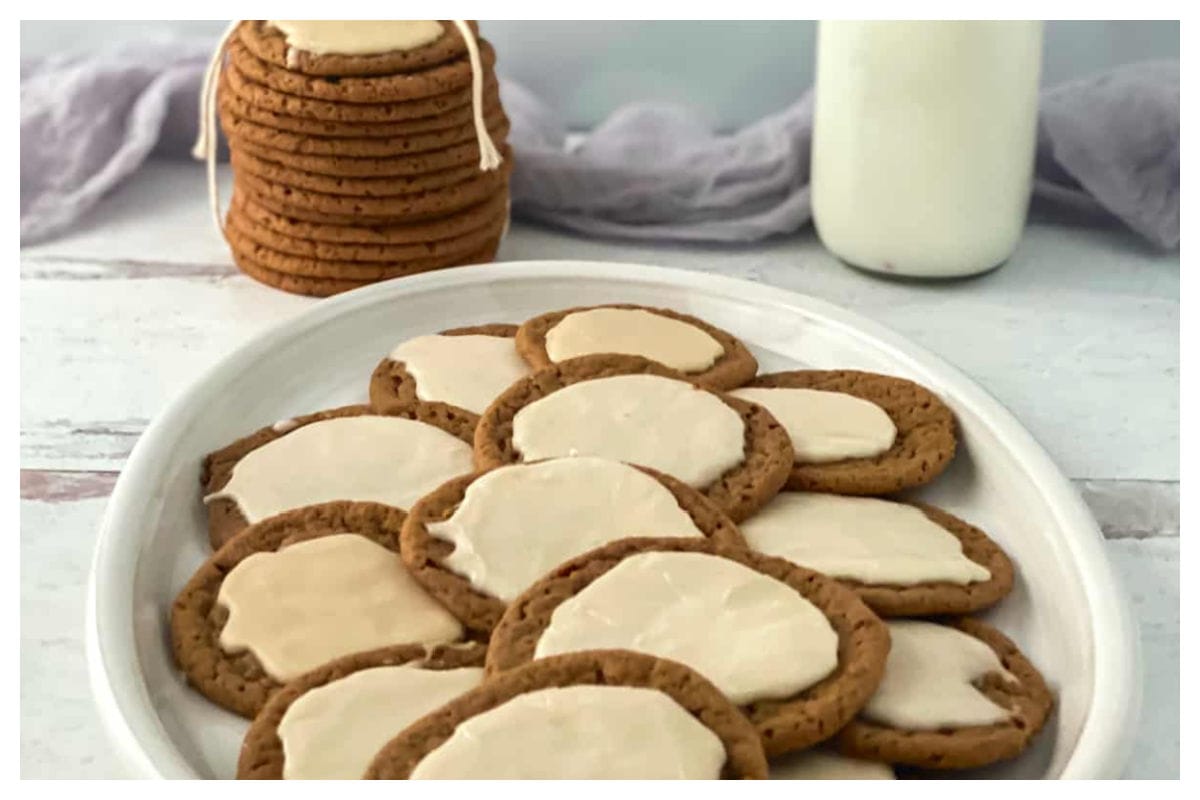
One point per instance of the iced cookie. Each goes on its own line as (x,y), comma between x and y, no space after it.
(295,591)
(631,409)
(857,432)
(348,453)
(799,652)
(706,354)
(903,560)
(461,371)
(597,715)
(329,723)
(478,541)
(952,697)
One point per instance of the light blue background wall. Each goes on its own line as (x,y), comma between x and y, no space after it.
(733,71)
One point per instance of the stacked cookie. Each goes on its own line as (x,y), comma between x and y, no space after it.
(538,543)
(361,151)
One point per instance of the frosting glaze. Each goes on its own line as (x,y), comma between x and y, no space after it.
(579,732)
(389,460)
(665,424)
(313,601)
(860,538)
(466,371)
(333,731)
(753,636)
(636,332)
(826,426)
(515,523)
(928,681)
(357,36)
(827,765)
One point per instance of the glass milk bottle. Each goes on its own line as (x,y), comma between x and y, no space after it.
(923,142)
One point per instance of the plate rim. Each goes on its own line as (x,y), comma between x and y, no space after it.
(1105,739)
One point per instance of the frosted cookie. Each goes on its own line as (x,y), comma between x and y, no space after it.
(354,47)
(903,560)
(348,453)
(329,723)
(952,697)
(857,432)
(631,409)
(597,715)
(821,764)
(706,354)
(295,591)
(799,652)
(459,370)
(478,541)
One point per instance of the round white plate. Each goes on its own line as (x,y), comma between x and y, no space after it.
(1066,609)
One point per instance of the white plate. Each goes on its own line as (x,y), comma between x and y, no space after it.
(1065,610)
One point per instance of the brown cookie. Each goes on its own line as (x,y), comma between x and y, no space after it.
(239,128)
(225,520)
(400,88)
(744,753)
(925,433)
(732,369)
(383,236)
(433,107)
(262,755)
(391,387)
(426,258)
(237,681)
(1029,700)
(269,44)
(425,554)
(739,492)
(349,167)
(793,723)
(326,287)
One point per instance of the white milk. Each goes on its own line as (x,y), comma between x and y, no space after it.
(924,139)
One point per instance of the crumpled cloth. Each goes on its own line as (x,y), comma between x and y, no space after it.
(1107,144)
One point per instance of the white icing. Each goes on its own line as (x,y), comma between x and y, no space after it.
(333,731)
(581,733)
(666,424)
(516,523)
(827,765)
(753,636)
(861,538)
(826,426)
(466,371)
(928,681)
(357,36)
(677,344)
(285,426)
(322,598)
(386,460)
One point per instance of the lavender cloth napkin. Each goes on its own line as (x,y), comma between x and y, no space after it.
(1107,144)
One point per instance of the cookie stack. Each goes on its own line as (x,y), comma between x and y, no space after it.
(361,151)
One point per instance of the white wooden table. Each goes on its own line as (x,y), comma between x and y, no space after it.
(1078,334)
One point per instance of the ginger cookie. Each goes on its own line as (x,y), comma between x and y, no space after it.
(902,559)
(295,591)
(953,696)
(573,716)
(817,651)
(358,167)
(858,432)
(406,436)
(270,44)
(429,82)
(382,236)
(706,354)
(329,723)
(631,409)
(516,523)
(459,370)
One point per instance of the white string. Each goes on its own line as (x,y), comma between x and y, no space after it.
(489,156)
(206,134)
